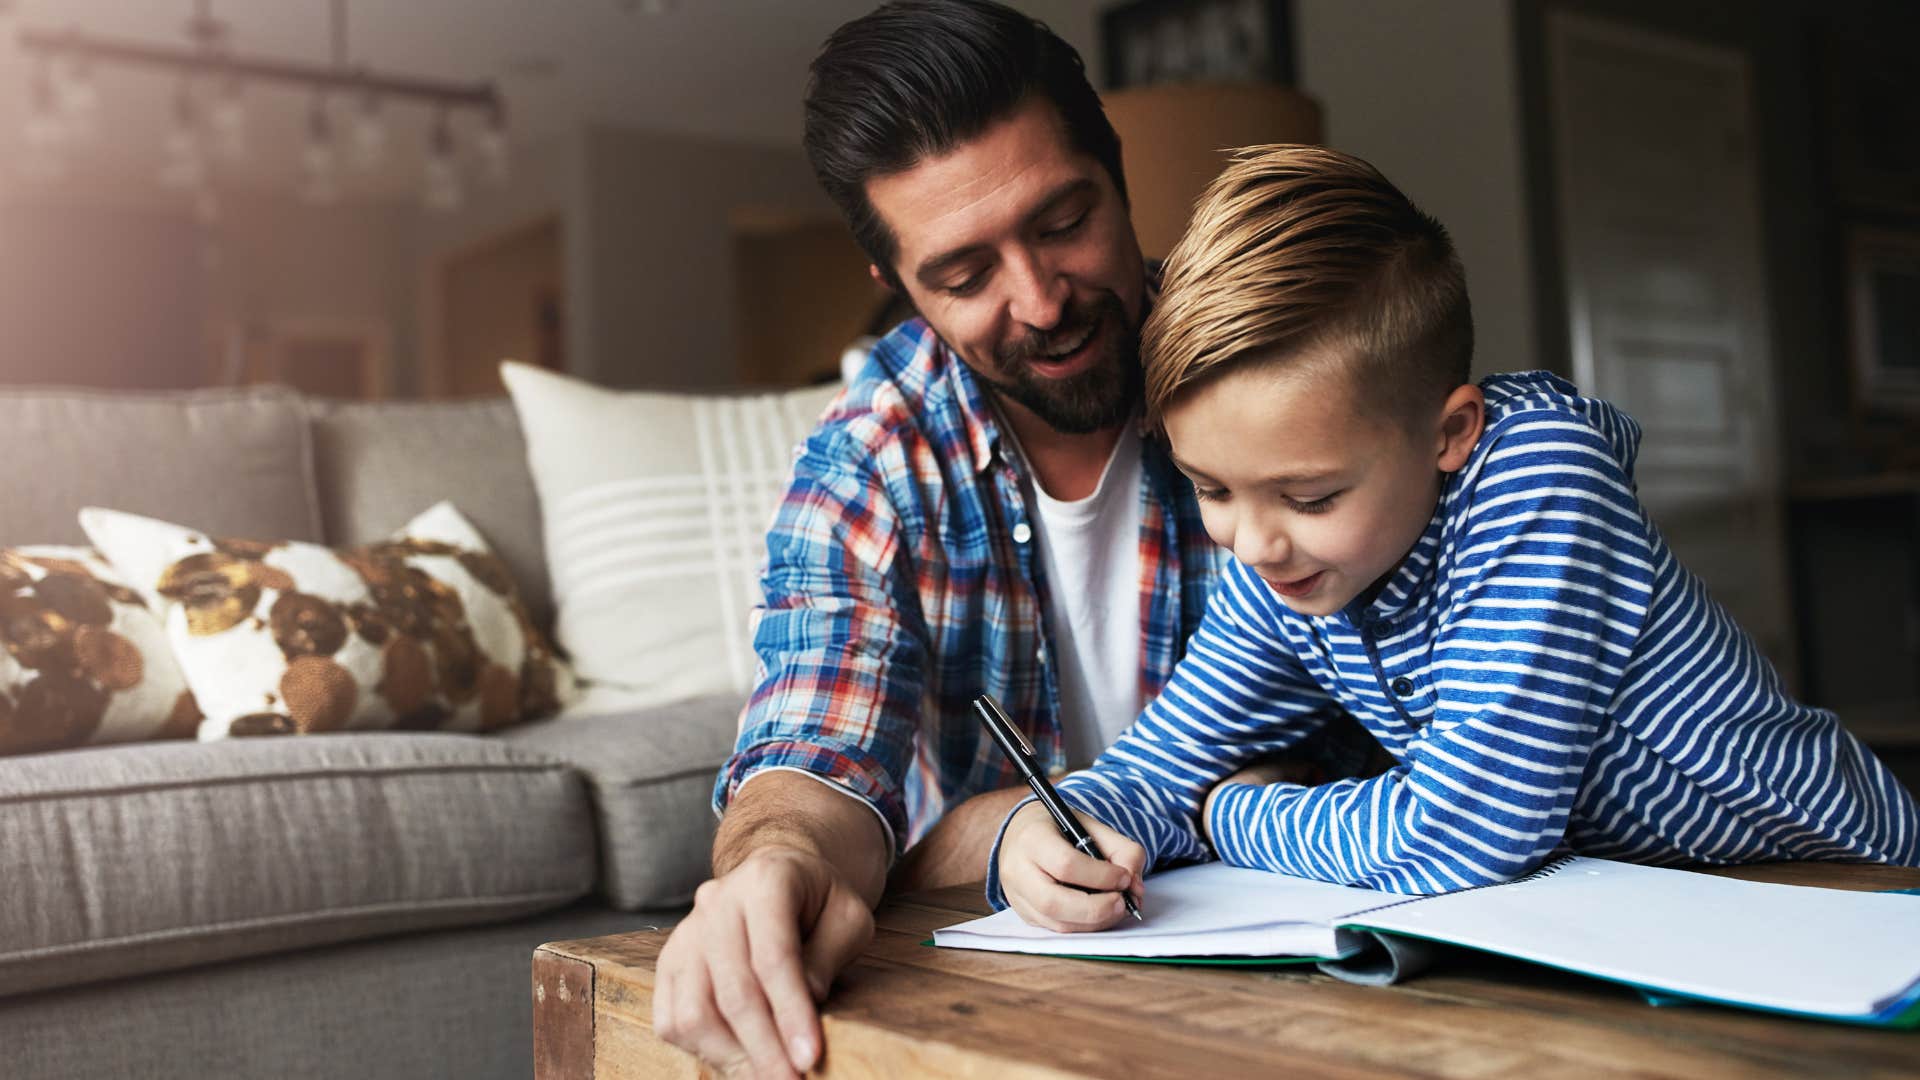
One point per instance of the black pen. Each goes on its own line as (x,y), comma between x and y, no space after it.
(1017,748)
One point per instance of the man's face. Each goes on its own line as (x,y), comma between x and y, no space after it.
(1018,251)
(1318,498)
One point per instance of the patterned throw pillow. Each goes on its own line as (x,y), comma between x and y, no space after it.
(84,660)
(425,631)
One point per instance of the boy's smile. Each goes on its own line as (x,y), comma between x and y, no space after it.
(1320,498)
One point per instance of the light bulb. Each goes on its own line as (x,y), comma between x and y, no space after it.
(183,165)
(491,145)
(227,121)
(368,134)
(443,190)
(77,96)
(320,165)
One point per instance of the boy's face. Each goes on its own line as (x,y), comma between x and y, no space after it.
(1317,497)
(1019,252)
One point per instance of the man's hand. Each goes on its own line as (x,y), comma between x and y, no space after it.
(798,868)
(739,978)
(1046,878)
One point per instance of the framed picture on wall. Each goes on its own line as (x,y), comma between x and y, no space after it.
(1883,295)
(1155,41)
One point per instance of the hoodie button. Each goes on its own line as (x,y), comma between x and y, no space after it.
(1402,687)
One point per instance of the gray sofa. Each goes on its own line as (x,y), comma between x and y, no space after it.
(358,905)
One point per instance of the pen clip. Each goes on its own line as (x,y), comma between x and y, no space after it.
(986,702)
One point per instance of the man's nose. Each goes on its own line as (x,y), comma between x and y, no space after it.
(1039,294)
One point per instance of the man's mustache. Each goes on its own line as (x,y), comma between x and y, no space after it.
(1034,343)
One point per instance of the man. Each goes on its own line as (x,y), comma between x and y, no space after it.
(978,512)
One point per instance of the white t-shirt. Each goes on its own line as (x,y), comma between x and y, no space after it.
(1090,552)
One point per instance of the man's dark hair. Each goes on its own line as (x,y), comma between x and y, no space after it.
(916,78)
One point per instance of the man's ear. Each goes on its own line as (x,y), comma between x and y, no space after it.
(1462,419)
(879,278)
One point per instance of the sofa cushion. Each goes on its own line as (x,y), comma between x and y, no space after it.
(82,657)
(656,509)
(238,462)
(650,771)
(423,631)
(129,859)
(377,463)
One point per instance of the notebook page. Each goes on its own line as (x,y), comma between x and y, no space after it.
(1790,947)
(1210,909)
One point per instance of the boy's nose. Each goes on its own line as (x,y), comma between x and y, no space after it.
(1263,549)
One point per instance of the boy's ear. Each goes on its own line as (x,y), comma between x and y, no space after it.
(1461,420)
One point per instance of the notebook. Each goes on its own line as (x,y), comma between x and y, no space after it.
(1813,952)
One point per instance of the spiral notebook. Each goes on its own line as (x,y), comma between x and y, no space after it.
(1813,952)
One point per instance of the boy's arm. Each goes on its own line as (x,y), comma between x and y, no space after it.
(1236,696)
(1549,595)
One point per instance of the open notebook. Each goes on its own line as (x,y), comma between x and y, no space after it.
(1813,952)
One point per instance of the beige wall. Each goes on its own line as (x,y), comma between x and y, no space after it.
(659,303)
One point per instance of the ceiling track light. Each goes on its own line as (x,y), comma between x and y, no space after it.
(63,91)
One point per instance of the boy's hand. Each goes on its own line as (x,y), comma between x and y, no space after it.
(1046,879)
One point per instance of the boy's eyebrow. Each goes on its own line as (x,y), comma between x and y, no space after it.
(1283,479)
(930,268)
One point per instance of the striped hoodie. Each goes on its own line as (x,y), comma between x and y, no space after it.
(1545,674)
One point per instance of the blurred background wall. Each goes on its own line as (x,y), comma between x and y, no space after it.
(1706,209)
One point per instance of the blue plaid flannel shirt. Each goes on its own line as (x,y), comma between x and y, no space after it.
(901,581)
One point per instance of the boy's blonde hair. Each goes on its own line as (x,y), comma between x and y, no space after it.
(1299,248)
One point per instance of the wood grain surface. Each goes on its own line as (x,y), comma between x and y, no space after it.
(904,1009)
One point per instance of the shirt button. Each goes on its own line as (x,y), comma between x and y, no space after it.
(1402,687)
(1022,533)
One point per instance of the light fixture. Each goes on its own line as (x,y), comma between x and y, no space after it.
(491,146)
(45,158)
(369,132)
(443,189)
(77,96)
(63,97)
(227,119)
(319,159)
(184,163)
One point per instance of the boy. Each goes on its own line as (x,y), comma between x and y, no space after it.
(1464,568)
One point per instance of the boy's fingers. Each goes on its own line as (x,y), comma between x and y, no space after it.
(1119,850)
(1068,866)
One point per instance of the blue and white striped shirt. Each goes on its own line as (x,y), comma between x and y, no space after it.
(1545,674)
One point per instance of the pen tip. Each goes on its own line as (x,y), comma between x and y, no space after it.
(1137,916)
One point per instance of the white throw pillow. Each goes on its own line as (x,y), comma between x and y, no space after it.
(423,631)
(656,508)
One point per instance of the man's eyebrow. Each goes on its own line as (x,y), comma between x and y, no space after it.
(930,268)
(1282,479)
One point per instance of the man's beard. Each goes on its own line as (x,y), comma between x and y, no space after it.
(1103,396)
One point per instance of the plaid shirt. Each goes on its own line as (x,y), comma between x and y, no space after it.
(901,581)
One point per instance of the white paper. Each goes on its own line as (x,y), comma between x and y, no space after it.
(1211,909)
(1823,951)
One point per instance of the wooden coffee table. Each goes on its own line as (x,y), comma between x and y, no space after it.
(905,1009)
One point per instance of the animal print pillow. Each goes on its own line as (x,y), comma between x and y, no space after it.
(83,660)
(425,631)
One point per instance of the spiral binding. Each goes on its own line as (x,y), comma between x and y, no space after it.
(1545,870)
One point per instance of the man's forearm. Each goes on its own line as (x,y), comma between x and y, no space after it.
(783,809)
(954,851)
